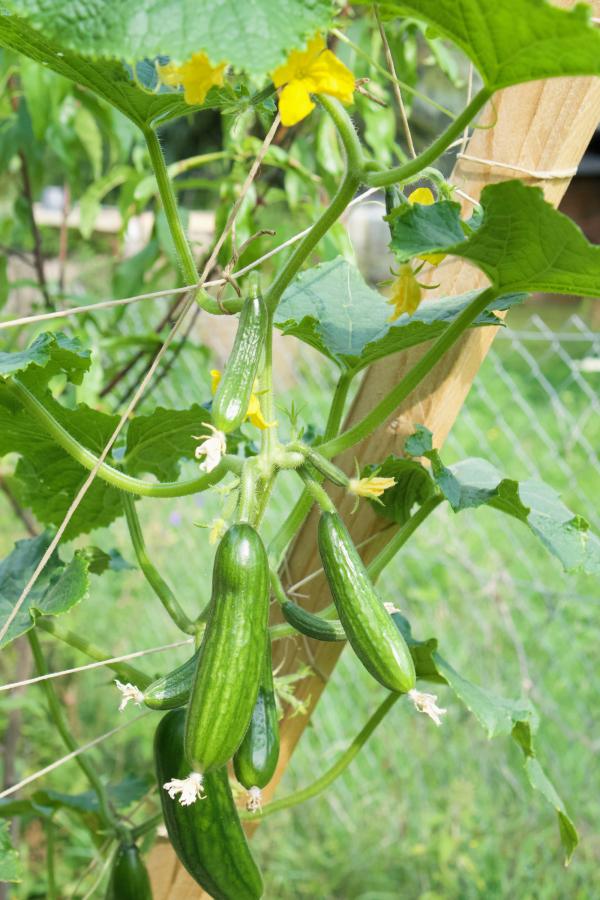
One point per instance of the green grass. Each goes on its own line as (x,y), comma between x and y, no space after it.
(423,813)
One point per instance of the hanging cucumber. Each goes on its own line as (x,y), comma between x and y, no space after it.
(232,396)
(311,625)
(173,689)
(369,628)
(207,835)
(256,758)
(229,664)
(128,877)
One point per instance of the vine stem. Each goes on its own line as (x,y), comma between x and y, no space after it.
(78,642)
(151,573)
(412,379)
(414,166)
(56,714)
(51,892)
(352,178)
(334,772)
(108,473)
(385,556)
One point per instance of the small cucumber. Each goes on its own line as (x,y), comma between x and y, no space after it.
(256,758)
(311,625)
(368,626)
(128,877)
(230,660)
(232,396)
(173,689)
(207,835)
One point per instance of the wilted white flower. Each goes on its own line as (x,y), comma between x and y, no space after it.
(427,703)
(390,608)
(129,692)
(189,789)
(254,800)
(213,447)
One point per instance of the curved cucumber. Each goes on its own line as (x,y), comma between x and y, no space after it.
(231,654)
(232,396)
(173,689)
(128,877)
(311,625)
(256,758)
(369,628)
(207,835)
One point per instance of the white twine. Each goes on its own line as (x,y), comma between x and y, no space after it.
(94,665)
(63,759)
(541,174)
(172,292)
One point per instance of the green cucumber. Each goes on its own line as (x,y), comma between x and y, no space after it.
(173,689)
(368,626)
(311,625)
(230,660)
(207,835)
(232,396)
(256,758)
(128,876)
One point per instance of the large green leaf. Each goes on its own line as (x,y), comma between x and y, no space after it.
(333,309)
(512,41)
(59,587)
(256,35)
(498,715)
(156,443)
(11,869)
(47,478)
(52,353)
(522,243)
(108,78)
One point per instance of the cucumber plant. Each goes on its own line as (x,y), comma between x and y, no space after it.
(77,442)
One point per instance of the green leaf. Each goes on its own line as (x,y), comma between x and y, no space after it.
(109,79)
(99,560)
(256,36)
(476,482)
(522,243)
(11,868)
(512,41)
(47,478)
(413,485)
(54,353)
(4,282)
(500,716)
(122,795)
(497,715)
(59,587)
(156,443)
(333,309)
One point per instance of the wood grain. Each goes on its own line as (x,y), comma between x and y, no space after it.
(542,126)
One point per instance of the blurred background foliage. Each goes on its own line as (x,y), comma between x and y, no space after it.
(423,813)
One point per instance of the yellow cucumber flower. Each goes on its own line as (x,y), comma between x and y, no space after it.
(407,293)
(312,71)
(197,76)
(254,412)
(373,486)
(425,197)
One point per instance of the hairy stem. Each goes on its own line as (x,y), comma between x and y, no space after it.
(56,714)
(153,576)
(124,671)
(335,771)
(414,166)
(398,394)
(107,473)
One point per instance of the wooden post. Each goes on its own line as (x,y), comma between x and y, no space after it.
(541,126)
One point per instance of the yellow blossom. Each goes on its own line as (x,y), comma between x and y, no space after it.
(373,486)
(312,71)
(425,197)
(217,527)
(196,75)
(407,293)
(254,412)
